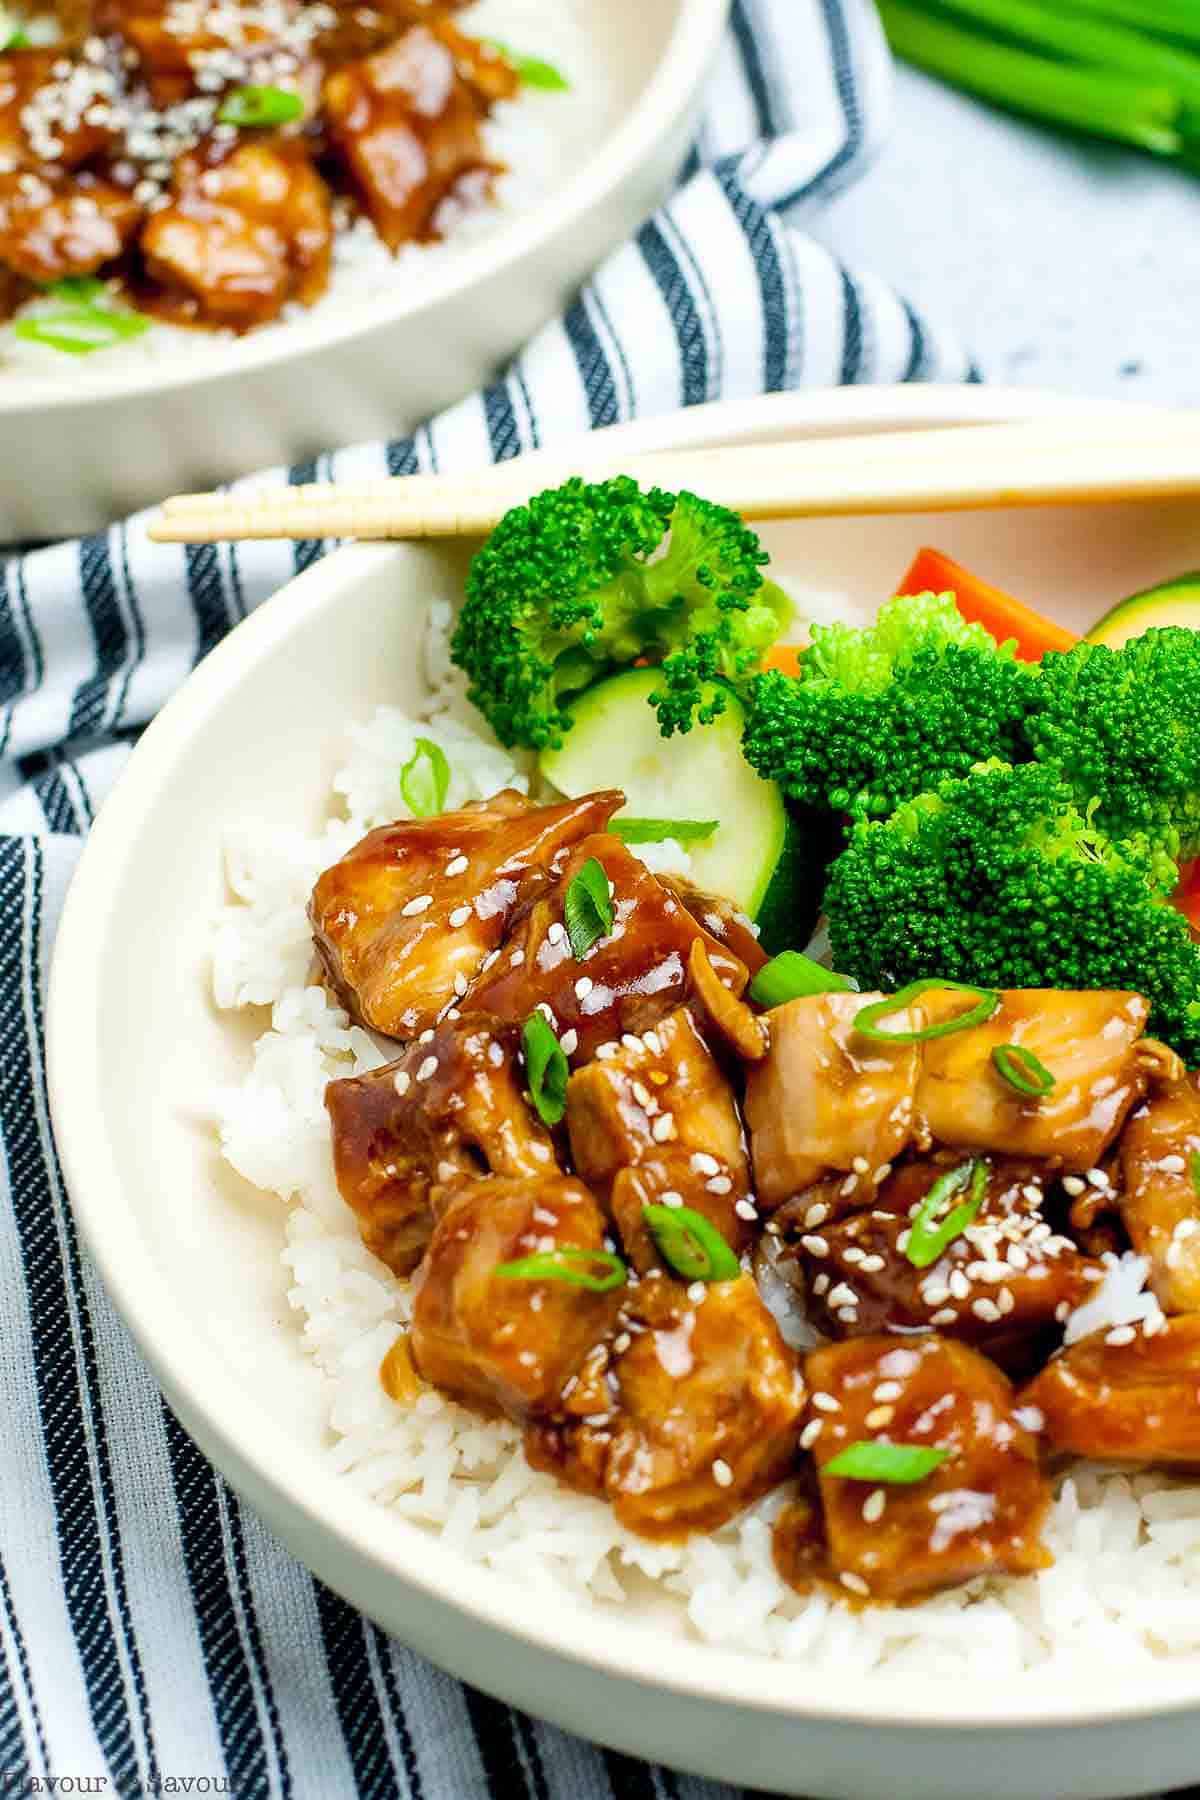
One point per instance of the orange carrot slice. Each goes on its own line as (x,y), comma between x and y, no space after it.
(997,612)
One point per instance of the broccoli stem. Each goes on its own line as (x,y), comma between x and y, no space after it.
(1083,99)
(1112,47)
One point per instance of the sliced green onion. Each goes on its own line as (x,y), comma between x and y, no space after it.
(76,290)
(691,1244)
(587,907)
(866,1022)
(1022,1070)
(927,1238)
(546,1066)
(13,35)
(656,831)
(425,779)
(82,330)
(256,106)
(571,1264)
(877,1460)
(532,70)
(790,976)
(1194,1171)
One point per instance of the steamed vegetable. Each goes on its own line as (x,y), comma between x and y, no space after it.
(1002,617)
(1001,879)
(1172,603)
(880,713)
(592,578)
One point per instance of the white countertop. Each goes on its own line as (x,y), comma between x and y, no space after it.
(1060,263)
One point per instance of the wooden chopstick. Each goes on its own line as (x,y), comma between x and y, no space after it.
(1083,458)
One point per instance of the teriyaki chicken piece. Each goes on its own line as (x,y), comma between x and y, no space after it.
(1159,1196)
(1130,1393)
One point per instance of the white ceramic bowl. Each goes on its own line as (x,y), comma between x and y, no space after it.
(192,1256)
(81,449)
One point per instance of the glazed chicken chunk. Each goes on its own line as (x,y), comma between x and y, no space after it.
(451,1107)
(53,226)
(1160,1199)
(1133,1400)
(827,1105)
(499,1341)
(629,979)
(1089,1042)
(979,1511)
(654,1119)
(688,1414)
(1003,1282)
(407,120)
(242,235)
(406,919)
(24,76)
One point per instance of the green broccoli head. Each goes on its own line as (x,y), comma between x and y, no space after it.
(878,714)
(999,879)
(1124,727)
(592,577)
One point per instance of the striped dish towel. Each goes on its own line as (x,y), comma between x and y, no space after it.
(152,1633)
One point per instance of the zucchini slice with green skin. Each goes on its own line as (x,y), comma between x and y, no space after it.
(614,741)
(1172,603)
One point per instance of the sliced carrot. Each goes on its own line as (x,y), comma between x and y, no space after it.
(997,612)
(784,657)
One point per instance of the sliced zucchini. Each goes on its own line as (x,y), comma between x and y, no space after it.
(1172,603)
(614,741)
(791,905)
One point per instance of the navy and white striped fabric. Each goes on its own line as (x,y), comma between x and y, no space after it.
(151,1631)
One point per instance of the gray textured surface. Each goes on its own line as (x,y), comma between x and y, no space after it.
(1062,264)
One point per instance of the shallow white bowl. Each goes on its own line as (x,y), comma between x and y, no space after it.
(192,1256)
(82,449)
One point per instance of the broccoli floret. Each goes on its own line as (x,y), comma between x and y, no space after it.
(878,714)
(1124,728)
(588,579)
(1000,879)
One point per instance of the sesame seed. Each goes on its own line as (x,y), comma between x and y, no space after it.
(583,987)
(873,1506)
(629,1042)
(816,1215)
(826,1402)
(1062,1310)
(888,1390)
(402,1082)
(847,1314)
(935,1293)
(722,1474)
(1172,1165)
(459,916)
(663,1128)
(652,1042)
(671,1198)
(516,959)
(960,1287)
(853,1255)
(427,1068)
(555,933)
(882,1173)
(1005,1300)
(860,1165)
(873,1264)
(426,1037)
(878,1417)
(1032,1194)
(420,904)
(811,1433)
(848,1186)
(986,1309)
(1097,1179)
(902,1241)
(1121,1334)
(605,1052)
(746,1209)
(457,866)
(703,1164)
(855,1583)
(946,1316)
(460,984)
(1017,1259)
(820,1284)
(488,960)
(696,1292)
(622,1342)
(641,1094)
(718,1184)
(843,1295)
(816,1246)
(569,1042)
(1073,1185)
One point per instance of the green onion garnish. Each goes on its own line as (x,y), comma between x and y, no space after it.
(866,1022)
(571,1264)
(257,106)
(424,779)
(532,70)
(546,1066)
(76,290)
(13,35)
(656,831)
(82,329)
(691,1244)
(927,1238)
(877,1460)
(1022,1070)
(791,976)
(587,907)
(1194,1170)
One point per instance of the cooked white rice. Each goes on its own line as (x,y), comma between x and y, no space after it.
(540,138)
(1126,1580)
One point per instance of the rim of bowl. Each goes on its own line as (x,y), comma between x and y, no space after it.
(686,61)
(395,1549)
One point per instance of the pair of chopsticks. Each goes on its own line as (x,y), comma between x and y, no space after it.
(1083,458)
